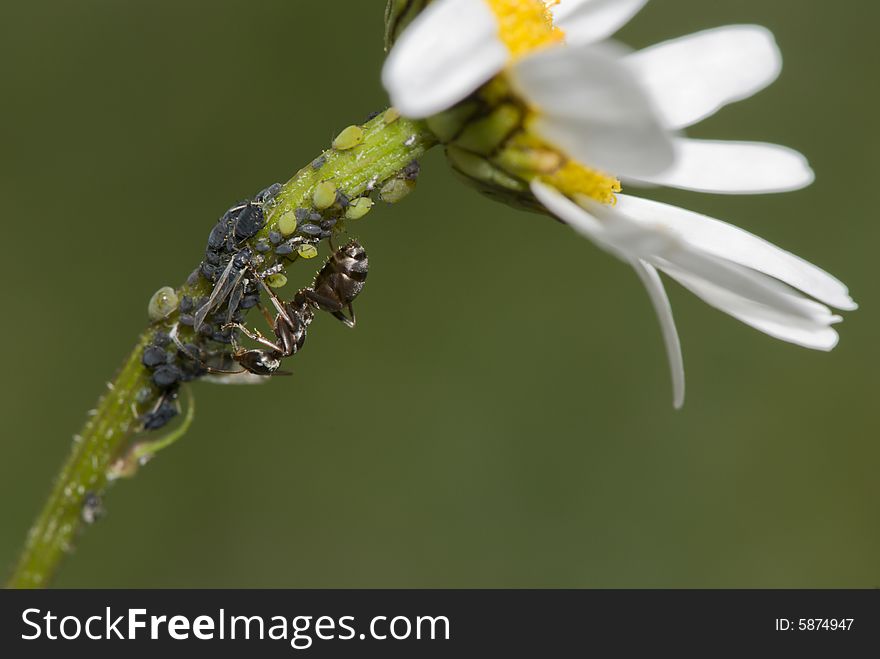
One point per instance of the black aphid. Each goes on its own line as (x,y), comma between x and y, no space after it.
(154,356)
(162,413)
(166,376)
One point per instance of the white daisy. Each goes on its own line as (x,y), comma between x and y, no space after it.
(530,97)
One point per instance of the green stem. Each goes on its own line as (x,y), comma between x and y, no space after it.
(389,145)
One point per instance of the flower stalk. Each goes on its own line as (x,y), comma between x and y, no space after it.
(371,160)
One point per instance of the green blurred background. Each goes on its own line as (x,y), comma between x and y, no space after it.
(502,415)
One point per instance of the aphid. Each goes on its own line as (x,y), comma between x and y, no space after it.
(154,356)
(396,189)
(143,395)
(324,195)
(225,261)
(307,251)
(359,208)
(161,339)
(167,376)
(411,171)
(340,281)
(287,223)
(229,284)
(268,195)
(163,412)
(162,304)
(349,138)
(92,508)
(310,230)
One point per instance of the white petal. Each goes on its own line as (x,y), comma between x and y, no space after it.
(748,295)
(584,223)
(694,76)
(663,246)
(648,274)
(815,332)
(587,21)
(576,217)
(236,378)
(591,107)
(445,54)
(734,244)
(734,168)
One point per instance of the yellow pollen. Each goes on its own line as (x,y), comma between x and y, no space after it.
(573,179)
(548,164)
(526,25)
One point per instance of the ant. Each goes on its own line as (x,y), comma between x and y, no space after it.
(336,286)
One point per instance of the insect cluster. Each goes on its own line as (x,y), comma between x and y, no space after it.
(244,258)
(232,268)
(336,286)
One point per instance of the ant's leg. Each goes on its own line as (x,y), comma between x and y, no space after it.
(322,301)
(349,322)
(332,306)
(269,320)
(254,335)
(278,304)
(209,370)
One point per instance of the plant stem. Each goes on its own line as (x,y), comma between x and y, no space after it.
(390,144)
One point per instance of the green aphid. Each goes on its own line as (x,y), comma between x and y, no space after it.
(349,138)
(396,190)
(163,303)
(307,251)
(324,195)
(358,208)
(287,224)
(278,280)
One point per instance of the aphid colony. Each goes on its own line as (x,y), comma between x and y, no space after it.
(232,268)
(244,259)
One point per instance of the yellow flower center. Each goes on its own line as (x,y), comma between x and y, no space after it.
(547,164)
(574,179)
(499,142)
(525,25)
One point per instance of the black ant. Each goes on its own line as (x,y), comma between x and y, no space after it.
(336,286)
(339,282)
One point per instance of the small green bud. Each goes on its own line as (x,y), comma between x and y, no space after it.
(485,135)
(163,303)
(448,124)
(396,189)
(307,251)
(528,162)
(349,138)
(287,223)
(324,195)
(358,208)
(399,14)
(481,170)
(277,280)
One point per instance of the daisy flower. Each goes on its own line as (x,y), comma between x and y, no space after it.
(536,106)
